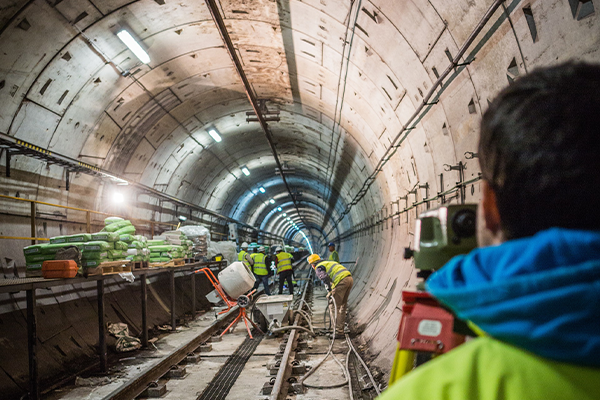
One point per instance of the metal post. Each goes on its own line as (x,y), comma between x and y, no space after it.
(67,180)
(34,388)
(442,188)
(173,324)
(33,222)
(152,229)
(193,296)
(144,311)
(101,328)
(88,222)
(7,170)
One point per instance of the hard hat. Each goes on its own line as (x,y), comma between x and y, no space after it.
(244,245)
(278,248)
(331,244)
(313,258)
(261,249)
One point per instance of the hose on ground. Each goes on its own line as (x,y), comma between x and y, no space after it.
(375,385)
(286,328)
(329,353)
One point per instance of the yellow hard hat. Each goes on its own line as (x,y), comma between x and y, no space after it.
(313,258)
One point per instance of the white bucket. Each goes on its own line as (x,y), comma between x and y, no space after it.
(236,279)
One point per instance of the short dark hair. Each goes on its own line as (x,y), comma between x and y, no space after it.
(539,150)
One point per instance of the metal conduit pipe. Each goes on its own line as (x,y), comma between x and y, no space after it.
(426,102)
(220,23)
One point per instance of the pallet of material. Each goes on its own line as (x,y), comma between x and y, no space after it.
(176,262)
(110,267)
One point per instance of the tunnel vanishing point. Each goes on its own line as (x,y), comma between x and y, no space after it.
(296,120)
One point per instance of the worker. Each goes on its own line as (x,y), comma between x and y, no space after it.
(259,268)
(333,255)
(338,282)
(283,261)
(244,256)
(533,291)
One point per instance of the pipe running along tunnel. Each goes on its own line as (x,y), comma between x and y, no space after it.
(298,120)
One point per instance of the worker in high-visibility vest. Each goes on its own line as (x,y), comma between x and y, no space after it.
(244,256)
(338,282)
(260,270)
(283,261)
(333,254)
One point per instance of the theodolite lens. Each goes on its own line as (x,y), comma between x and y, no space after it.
(463,223)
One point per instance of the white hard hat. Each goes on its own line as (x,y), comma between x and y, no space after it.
(244,245)
(278,248)
(261,249)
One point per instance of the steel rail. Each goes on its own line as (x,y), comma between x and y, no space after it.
(220,23)
(284,370)
(135,387)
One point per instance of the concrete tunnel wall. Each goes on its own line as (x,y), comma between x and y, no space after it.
(68,85)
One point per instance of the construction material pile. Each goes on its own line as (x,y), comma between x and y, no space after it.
(200,239)
(117,241)
(169,246)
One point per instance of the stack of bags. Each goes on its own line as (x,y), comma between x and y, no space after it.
(199,240)
(110,244)
(169,246)
(36,254)
(117,241)
(138,249)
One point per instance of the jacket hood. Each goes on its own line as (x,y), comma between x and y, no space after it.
(540,293)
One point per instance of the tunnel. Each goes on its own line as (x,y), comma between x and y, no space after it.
(299,121)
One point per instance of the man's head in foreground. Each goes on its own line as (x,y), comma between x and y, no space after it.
(539,153)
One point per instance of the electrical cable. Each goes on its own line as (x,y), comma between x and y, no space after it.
(329,352)
(375,385)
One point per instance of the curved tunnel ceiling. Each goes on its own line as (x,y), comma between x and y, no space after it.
(344,77)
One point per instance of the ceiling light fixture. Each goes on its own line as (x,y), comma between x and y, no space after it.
(245,170)
(279,209)
(272,201)
(214,134)
(134,46)
(262,189)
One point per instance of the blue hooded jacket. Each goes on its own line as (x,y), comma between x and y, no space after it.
(540,293)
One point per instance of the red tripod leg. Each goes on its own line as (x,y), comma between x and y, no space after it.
(232,324)
(243,314)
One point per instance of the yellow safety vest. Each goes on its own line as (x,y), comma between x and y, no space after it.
(242,256)
(334,256)
(284,262)
(259,267)
(336,271)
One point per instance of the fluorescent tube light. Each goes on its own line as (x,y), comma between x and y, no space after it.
(215,135)
(262,189)
(245,170)
(134,46)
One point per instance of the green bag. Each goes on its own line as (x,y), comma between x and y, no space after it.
(116,254)
(156,243)
(82,237)
(126,230)
(99,245)
(105,236)
(140,238)
(58,239)
(94,255)
(115,226)
(136,245)
(95,263)
(34,266)
(121,246)
(36,258)
(112,220)
(161,249)
(154,255)
(127,238)
(34,249)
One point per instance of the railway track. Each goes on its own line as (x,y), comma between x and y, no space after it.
(197,364)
